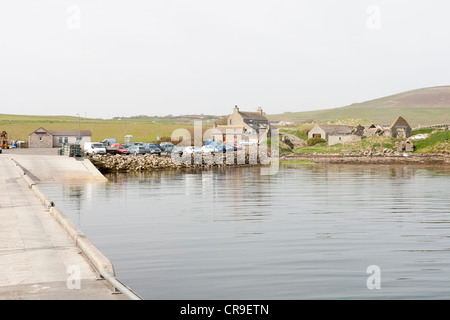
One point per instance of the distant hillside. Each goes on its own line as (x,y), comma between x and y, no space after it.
(419,107)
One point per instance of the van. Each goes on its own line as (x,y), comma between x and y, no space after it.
(92,148)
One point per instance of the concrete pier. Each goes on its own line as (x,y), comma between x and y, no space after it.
(45,165)
(39,259)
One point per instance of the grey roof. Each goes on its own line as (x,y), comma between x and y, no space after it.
(253,116)
(337,129)
(70,132)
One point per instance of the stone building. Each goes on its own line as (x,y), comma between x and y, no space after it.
(241,125)
(42,138)
(335,138)
(399,129)
(324,130)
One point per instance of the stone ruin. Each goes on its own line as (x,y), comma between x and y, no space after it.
(404,146)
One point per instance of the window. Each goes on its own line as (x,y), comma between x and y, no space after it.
(60,139)
(66,139)
(40,138)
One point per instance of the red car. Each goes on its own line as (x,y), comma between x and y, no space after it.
(121,150)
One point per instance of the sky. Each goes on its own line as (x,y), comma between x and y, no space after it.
(108,58)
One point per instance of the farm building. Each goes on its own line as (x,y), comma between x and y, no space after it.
(324,130)
(335,134)
(42,138)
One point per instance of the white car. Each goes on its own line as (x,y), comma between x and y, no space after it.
(248,143)
(192,150)
(210,149)
(92,148)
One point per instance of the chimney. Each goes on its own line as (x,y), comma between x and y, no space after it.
(260,110)
(236,109)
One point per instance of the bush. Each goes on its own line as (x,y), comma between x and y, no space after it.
(315,140)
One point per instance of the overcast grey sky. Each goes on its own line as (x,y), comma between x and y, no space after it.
(106,58)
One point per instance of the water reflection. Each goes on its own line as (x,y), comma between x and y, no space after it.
(309,231)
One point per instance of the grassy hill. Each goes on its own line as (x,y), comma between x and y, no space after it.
(419,107)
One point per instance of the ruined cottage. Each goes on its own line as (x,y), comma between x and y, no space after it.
(399,129)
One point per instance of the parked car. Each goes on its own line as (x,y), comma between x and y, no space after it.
(137,149)
(109,146)
(211,148)
(1,150)
(229,147)
(248,143)
(192,150)
(152,148)
(224,147)
(120,148)
(166,145)
(173,149)
(92,148)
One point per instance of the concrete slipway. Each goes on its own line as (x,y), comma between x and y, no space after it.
(43,255)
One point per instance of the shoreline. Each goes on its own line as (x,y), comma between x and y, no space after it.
(124,164)
(339,158)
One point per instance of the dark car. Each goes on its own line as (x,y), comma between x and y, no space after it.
(166,146)
(153,148)
(173,149)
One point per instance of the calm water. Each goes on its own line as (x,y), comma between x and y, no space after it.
(308,232)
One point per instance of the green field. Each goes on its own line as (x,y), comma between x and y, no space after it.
(142,130)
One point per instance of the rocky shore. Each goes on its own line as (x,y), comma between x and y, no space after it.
(119,163)
(147,162)
(370,158)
